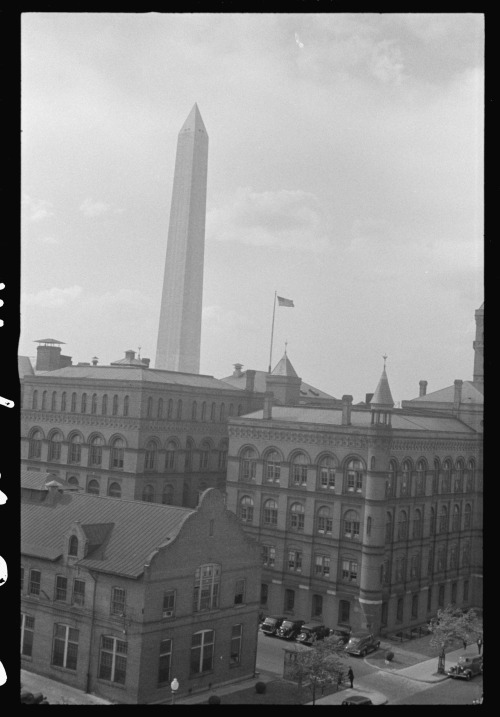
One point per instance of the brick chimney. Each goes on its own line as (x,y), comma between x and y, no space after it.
(146,361)
(267,413)
(130,355)
(457,398)
(250,376)
(94,361)
(346,410)
(423,388)
(237,373)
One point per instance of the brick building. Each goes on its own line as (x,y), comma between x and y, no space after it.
(119,597)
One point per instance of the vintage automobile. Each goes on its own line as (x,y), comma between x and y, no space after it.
(361,643)
(289,629)
(467,666)
(271,625)
(357,700)
(340,635)
(311,632)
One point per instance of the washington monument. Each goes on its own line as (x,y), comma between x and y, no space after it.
(179,333)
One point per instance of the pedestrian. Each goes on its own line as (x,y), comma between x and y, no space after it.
(350,675)
(464,644)
(479,644)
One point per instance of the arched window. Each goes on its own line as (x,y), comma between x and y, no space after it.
(406,478)
(53,401)
(83,405)
(388,527)
(246,509)
(212,412)
(34,400)
(117,452)
(270,512)
(170,456)
(240,409)
(446,479)
(73,546)
(204,411)
(93,487)
(93,403)
(55,441)
(432,522)
(167,496)
(458,483)
(35,444)
(188,458)
(273,466)
(231,409)
(417,523)
(114,409)
(44,400)
(420,480)
(455,520)
(469,483)
(373,463)
(443,520)
(466,554)
(95,453)
(299,469)
(467,517)
(222,413)
(435,476)
(326,472)
(63,401)
(223,455)
(150,458)
(351,525)
(325,521)
(73,403)
(354,475)
(126,403)
(194,411)
(159,409)
(148,494)
(73,480)
(454,559)
(369,525)
(205,456)
(297,515)
(104,405)
(403,525)
(149,408)
(248,464)
(115,490)
(75,448)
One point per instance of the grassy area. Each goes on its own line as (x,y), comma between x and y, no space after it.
(278,692)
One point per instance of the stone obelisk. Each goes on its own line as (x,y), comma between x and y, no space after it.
(179,333)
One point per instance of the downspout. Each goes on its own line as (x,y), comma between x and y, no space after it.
(92,620)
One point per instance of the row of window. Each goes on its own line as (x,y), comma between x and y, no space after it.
(454,478)
(113,651)
(348,568)
(100,405)
(351,525)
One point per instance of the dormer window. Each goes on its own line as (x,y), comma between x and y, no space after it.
(73,546)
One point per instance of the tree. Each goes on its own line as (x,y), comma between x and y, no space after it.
(322,664)
(452,624)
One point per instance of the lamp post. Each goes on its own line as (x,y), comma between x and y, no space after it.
(174,686)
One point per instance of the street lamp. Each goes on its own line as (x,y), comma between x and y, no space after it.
(174,686)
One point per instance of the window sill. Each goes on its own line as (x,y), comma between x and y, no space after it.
(110,683)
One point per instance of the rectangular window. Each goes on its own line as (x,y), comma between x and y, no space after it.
(168,603)
(454,592)
(414,606)
(328,478)
(206,588)
(289,600)
(415,566)
(113,660)
(349,571)
(235,649)
(202,652)
(65,647)
(27,634)
(79,592)
(61,588)
(384,614)
(399,610)
(295,561)
(164,661)
(269,555)
(322,566)
(351,528)
(239,592)
(317,605)
(344,612)
(264,593)
(34,583)
(429,600)
(466,590)
(441,596)
(117,601)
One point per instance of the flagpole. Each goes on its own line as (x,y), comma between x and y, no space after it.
(272,332)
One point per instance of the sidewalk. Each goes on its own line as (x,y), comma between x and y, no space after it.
(57,693)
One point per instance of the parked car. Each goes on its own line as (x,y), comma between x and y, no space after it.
(271,625)
(340,635)
(357,700)
(289,629)
(467,666)
(361,643)
(312,631)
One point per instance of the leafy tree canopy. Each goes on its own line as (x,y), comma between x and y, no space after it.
(452,624)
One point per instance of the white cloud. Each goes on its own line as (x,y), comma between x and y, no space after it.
(122,297)
(93,209)
(36,209)
(217,317)
(51,298)
(386,63)
(289,219)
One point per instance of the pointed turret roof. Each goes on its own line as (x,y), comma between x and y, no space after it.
(194,121)
(382,396)
(284,368)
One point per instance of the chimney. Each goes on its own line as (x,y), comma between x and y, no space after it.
(346,410)
(146,361)
(457,399)
(267,414)
(130,355)
(54,492)
(237,373)
(94,361)
(368,398)
(423,388)
(250,374)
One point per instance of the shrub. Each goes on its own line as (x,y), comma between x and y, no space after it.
(260,687)
(389,656)
(214,700)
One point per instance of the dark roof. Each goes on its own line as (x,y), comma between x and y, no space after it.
(360,418)
(133,529)
(36,480)
(47,341)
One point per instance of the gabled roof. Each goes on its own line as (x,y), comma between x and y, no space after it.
(472,392)
(382,396)
(133,529)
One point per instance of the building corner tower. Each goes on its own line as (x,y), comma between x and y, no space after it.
(179,333)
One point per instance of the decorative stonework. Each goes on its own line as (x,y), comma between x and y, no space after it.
(283,436)
(435,446)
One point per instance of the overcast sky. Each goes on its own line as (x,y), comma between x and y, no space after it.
(345,172)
